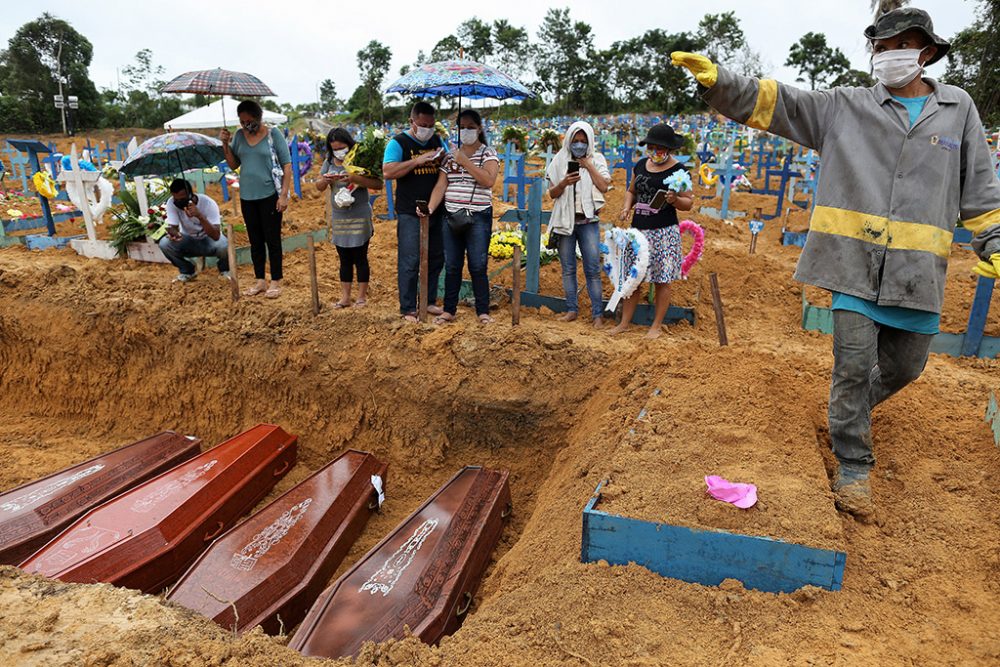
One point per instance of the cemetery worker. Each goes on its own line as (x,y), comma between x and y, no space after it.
(465,187)
(902,161)
(577,198)
(194,229)
(351,215)
(412,159)
(261,154)
(657,220)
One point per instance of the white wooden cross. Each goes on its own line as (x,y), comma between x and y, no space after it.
(85,182)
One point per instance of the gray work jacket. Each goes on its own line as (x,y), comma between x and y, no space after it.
(889,195)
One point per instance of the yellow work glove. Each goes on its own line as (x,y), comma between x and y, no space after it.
(704,70)
(990,269)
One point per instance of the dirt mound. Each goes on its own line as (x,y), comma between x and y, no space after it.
(95,354)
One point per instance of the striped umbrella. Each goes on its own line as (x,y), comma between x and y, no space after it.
(219,82)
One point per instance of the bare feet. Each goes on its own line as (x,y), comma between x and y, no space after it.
(485,319)
(598,322)
(360,303)
(618,329)
(411,318)
(337,305)
(434,310)
(570,316)
(258,288)
(654,332)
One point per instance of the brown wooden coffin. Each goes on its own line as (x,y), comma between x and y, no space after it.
(423,575)
(34,513)
(146,537)
(277,562)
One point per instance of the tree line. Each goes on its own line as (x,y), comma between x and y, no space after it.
(561,63)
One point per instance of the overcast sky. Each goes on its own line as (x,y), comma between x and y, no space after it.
(295,44)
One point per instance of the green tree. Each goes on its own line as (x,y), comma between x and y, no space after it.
(373,63)
(476,39)
(328,94)
(854,78)
(817,62)
(563,58)
(722,38)
(449,48)
(511,46)
(138,101)
(974,61)
(30,67)
(642,77)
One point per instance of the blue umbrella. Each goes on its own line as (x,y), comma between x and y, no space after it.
(463,78)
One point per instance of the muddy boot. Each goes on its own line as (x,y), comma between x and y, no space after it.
(853,493)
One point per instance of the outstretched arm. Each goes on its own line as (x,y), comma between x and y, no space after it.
(804,116)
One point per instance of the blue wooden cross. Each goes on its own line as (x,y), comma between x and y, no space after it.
(977,317)
(94,153)
(727,173)
(18,166)
(293,152)
(785,173)
(33,148)
(389,203)
(108,152)
(626,161)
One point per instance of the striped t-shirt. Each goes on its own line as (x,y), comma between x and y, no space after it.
(463,192)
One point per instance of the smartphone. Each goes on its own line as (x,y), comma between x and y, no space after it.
(659,199)
(573,167)
(422,207)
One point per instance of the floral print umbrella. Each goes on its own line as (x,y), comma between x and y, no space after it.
(173,153)
(463,78)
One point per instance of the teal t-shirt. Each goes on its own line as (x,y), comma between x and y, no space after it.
(906,319)
(255,164)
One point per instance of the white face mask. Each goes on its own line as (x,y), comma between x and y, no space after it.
(340,154)
(897,68)
(422,134)
(468,136)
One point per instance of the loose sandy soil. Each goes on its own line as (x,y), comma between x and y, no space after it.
(96,354)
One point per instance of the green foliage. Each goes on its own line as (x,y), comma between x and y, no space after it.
(721,37)
(476,39)
(511,48)
(30,67)
(818,63)
(328,95)
(367,154)
(449,48)
(974,61)
(643,78)
(565,58)
(373,65)
(132,224)
(854,77)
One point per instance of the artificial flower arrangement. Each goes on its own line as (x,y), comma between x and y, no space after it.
(502,244)
(512,134)
(549,139)
(679,181)
(131,225)
(364,159)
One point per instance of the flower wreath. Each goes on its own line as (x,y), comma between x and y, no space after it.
(708,176)
(692,228)
(626,257)
(45,185)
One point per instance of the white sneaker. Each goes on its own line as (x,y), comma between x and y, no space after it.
(226,275)
(185,277)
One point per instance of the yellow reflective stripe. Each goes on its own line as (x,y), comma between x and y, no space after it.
(979,223)
(881,231)
(767,98)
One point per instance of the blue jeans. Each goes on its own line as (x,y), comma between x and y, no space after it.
(178,251)
(588,236)
(474,241)
(408,259)
(870,363)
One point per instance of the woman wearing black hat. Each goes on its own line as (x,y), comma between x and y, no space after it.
(658,223)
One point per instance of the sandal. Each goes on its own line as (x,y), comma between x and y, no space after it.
(444,318)
(337,305)
(485,319)
(255,290)
(410,317)
(360,303)
(273,293)
(435,310)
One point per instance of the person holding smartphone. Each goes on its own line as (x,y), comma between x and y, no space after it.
(655,215)
(412,158)
(578,177)
(351,226)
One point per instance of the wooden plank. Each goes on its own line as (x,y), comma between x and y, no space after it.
(313,283)
(644,313)
(993,418)
(720,319)
(707,556)
(515,299)
(977,317)
(44,241)
(422,278)
(234,284)
(533,237)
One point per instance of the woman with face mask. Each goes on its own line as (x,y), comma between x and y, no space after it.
(578,177)
(656,220)
(465,186)
(351,226)
(261,154)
